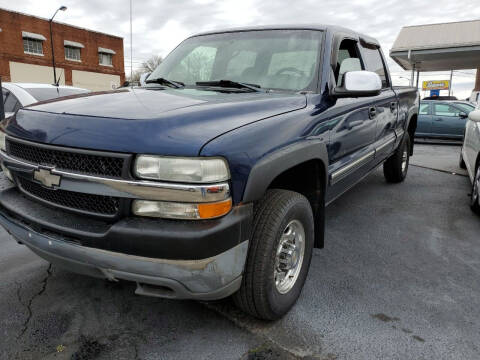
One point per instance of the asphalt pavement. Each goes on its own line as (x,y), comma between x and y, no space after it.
(397,279)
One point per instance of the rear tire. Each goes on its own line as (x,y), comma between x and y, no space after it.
(475,197)
(396,167)
(279,255)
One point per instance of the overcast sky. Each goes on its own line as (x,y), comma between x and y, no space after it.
(159,25)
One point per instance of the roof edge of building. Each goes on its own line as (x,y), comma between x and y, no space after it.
(436,47)
(61,23)
(440,23)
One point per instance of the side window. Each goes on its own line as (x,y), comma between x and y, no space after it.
(11,103)
(446,110)
(348,59)
(373,62)
(424,109)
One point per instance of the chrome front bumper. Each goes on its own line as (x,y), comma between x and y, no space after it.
(206,279)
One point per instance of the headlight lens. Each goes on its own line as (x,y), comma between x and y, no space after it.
(172,210)
(3,146)
(189,170)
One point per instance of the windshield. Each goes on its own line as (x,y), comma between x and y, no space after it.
(42,94)
(272,59)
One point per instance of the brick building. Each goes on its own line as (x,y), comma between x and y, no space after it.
(83,58)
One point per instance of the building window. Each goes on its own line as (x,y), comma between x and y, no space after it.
(72,53)
(105,59)
(32,46)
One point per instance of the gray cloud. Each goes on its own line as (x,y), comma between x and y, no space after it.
(159,25)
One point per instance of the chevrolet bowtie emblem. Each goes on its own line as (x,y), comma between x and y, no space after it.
(46,178)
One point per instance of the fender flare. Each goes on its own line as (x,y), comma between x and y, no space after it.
(268,168)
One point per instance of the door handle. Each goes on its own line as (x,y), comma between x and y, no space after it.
(393,106)
(372,112)
(438,119)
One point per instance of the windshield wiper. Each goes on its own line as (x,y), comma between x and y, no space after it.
(166,82)
(229,84)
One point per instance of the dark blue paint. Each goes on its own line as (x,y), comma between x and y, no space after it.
(242,127)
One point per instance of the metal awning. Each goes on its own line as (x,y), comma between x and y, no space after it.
(29,35)
(438,47)
(106,51)
(73,44)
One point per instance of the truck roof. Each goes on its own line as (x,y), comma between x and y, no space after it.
(320,27)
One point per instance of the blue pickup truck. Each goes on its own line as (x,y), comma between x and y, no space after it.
(212,179)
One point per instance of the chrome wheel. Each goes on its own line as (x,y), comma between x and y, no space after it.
(289,256)
(405,159)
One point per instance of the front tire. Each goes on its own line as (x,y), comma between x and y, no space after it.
(475,197)
(396,167)
(279,255)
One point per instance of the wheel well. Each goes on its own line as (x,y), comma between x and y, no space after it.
(308,179)
(412,126)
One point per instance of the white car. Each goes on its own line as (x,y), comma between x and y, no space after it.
(18,95)
(470,156)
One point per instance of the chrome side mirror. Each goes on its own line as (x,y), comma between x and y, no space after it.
(359,84)
(474,115)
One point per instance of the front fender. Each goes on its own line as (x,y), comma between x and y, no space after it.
(268,168)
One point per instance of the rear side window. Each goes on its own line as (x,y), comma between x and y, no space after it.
(424,109)
(374,62)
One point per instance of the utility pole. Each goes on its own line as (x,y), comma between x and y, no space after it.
(62,8)
(131,44)
(2,109)
(450,83)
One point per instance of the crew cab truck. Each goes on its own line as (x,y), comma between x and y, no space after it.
(212,179)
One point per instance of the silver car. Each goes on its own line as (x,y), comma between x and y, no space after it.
(18,95)
(470,156)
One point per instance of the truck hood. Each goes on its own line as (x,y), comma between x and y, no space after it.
(155,121)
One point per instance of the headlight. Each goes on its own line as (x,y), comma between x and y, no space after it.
(189,170)
(3,146)
(172,210)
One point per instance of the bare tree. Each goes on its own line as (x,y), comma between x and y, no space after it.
(151,64)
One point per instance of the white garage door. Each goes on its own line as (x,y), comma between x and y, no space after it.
(95,81)
(20,72)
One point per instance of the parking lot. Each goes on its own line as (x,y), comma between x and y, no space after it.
(398,279)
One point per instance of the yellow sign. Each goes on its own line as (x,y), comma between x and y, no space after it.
(436,85)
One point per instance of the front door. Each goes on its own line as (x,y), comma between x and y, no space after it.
(351,150)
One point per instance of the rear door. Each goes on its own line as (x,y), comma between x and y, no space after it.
(447,122)
(384,105)
(424,123)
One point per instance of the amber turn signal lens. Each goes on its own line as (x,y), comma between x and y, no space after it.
(212,210)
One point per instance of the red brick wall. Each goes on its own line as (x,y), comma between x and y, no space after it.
(11,46)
